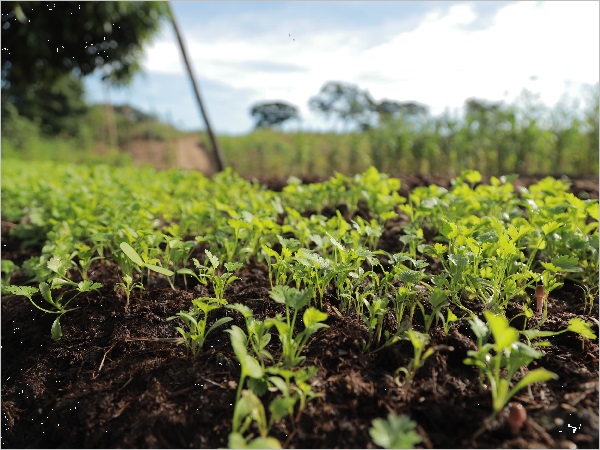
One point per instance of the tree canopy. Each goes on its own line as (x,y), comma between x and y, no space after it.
(44,41)
(269,114)
(345,102)
(48,47)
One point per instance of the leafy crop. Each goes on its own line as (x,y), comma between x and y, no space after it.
(500,361)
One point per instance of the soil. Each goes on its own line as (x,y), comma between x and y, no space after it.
(115,379)
(186,152)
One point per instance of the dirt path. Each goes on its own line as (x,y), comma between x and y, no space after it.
(185,153)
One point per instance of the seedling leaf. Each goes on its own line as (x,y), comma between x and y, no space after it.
(581,327)
(131,253)
(56,331)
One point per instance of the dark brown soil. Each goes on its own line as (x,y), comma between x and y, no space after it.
(111,382)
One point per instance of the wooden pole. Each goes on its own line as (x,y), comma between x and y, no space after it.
(218,154)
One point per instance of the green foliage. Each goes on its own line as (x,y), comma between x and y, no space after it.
(394,432)
(295,299)
(419,342)
(524,137)
(500,361)
(270,114)
(196,324)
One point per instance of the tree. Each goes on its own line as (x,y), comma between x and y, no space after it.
(41,42)
(48,47)
(346,102)
(270,114)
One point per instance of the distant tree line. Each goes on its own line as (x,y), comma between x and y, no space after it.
(401,137)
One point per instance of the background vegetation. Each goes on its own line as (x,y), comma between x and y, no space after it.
(45,116)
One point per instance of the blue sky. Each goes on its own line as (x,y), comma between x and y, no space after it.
(435,53)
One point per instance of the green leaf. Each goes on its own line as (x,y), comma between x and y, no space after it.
(291,297)
(159,269)
(533,376)
(395,432)
(567,264)
(56,331)
(280,407)
(550,227)
(237,440)
(479,328)
(218,323)
(251,367)
(581,327)
(131,253)
(56,265)
(214,261)
(504,334)
(25,291)
(312,316)
(437,298)
(45,291)
(245,310)
(88,286)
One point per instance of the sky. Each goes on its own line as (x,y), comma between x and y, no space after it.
(438,53)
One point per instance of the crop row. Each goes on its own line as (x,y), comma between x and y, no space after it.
(471,247)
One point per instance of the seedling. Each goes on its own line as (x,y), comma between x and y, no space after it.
(419,341)
(196,321)
(59,307)
(128,286)
(295,299)
(500,361)
(249,409)
(137,260)
(258,333)
(394,432)
(9,268)
(209,273)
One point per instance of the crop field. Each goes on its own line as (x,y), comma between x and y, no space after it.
(145,308)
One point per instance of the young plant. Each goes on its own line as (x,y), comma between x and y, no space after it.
(394,432)
(196,322)
(59,307)
(9,268)
(419,341)
(137,260)
(373,319)
(210,273)
(500,361)
(128,286)
(295,299)
(249,409)
(258,333)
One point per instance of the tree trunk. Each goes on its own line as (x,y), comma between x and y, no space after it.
(218,154)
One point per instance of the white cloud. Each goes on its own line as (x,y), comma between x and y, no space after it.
(441,61)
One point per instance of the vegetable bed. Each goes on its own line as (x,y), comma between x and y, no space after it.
(166,309)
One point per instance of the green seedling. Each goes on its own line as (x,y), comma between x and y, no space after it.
(376,309)
(500,361)
(137,260)
(295,299)
(196,324)
(59,307)
(250,367)
(9,268)
(209,273)
(420,354)
(128,286)
(394,432)
(576,325)
(249,409)
(85,257)
(258,333)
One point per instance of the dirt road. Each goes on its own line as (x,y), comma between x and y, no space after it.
(185,153)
